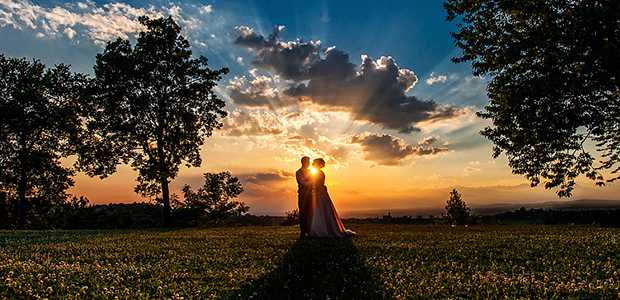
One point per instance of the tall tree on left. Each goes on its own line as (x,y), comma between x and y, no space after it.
(39,124)
(153,106)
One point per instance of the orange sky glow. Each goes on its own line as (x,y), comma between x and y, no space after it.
(361,182)
(372,91)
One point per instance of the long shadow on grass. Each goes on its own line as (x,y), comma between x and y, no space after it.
(317,269)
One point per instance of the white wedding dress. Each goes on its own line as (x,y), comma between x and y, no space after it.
(324,220)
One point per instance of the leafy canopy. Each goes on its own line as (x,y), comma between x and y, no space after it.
(555,83)
(213,198)
(39,124)
(154,105)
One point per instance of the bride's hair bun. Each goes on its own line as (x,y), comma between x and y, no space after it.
(320,162)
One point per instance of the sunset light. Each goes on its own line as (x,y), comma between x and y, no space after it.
(377,98)
(294,149)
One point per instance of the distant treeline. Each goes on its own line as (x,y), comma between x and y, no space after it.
(522,216)
(604,218)
(79,214)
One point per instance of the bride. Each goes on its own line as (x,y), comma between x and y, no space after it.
(324,220)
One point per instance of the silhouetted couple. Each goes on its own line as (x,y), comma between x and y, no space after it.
(317,215)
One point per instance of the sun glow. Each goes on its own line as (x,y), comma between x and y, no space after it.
(313,170)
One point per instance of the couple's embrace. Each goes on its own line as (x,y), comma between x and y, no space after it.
(317,216)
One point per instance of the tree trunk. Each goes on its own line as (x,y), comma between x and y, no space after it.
(23,203)
(161,158)
(21,184)
(3,213)
(165,199)
(163,178)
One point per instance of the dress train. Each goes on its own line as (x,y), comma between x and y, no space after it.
(324,220)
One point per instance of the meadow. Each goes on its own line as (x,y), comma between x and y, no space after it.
(382,262)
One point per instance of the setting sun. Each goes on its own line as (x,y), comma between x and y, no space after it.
(395,122)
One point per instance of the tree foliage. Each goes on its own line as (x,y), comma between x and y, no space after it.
(153,106)
(457,211)
(555,83)
(39,124)
(213,198)
(292,218)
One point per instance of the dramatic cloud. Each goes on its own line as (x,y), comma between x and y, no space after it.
(240,123)
(385,149)
(259,92)
(440,78)
(289,60)
(374,94)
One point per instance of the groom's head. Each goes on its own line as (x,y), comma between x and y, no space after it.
(305,162)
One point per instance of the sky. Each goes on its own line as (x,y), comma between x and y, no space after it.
(366,85)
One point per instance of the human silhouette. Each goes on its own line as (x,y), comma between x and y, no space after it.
(324,220)
(304,195)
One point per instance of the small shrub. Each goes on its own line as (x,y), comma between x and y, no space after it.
(457,212)
(292,218)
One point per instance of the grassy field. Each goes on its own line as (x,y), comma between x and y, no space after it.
(383,262)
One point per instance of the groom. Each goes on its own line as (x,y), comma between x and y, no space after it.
(304,195)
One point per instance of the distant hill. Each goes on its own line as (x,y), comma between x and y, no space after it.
(581,204)
(490,209)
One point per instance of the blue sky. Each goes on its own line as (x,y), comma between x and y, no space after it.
(414,33)
(376,95)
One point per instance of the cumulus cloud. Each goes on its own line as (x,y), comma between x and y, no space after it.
(440,78)
(69,32)
(374,93)
(240,123)
(99,23)
(206,9)
(384,149)
(258,91)
(470,169)
(428,140)
(289,60)
(269,178)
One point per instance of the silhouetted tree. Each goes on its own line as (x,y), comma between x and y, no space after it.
(457,211)
(153,107)
(292,218)
(554,83)
(39,125)
(213,198)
